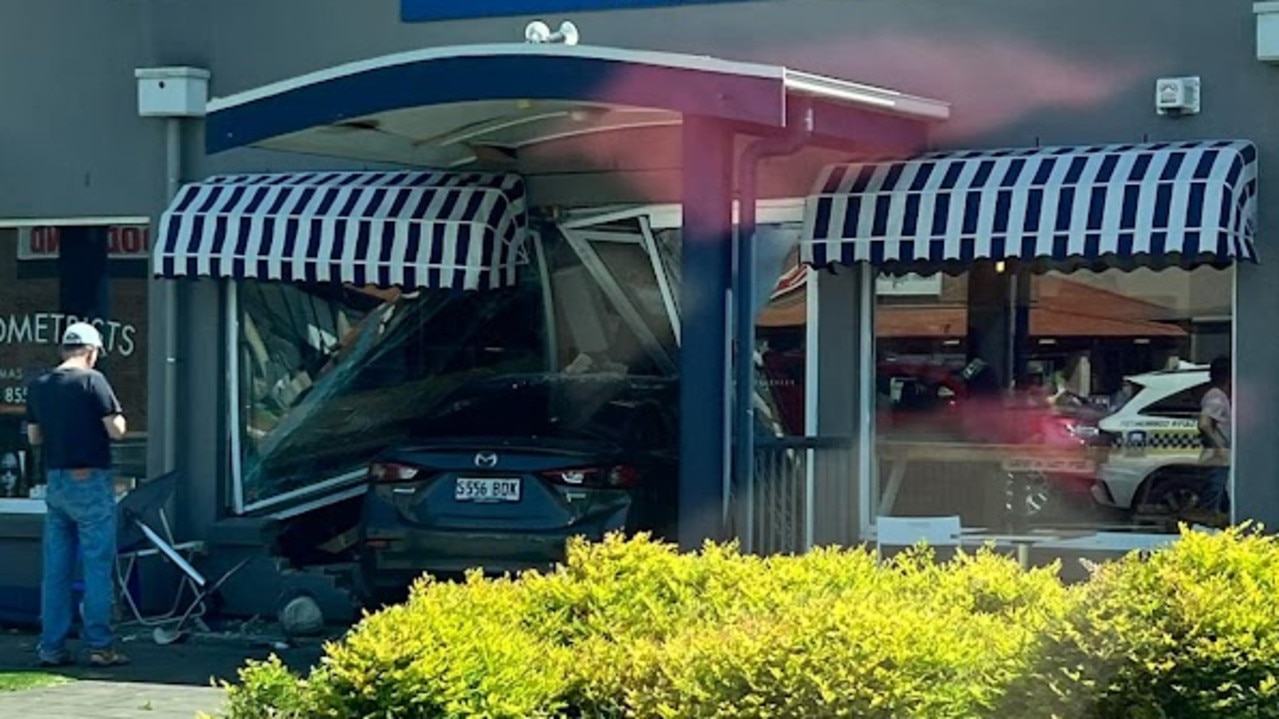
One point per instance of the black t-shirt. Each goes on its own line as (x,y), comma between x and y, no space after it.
(69,405)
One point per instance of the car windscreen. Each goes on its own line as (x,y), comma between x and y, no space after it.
(569,410)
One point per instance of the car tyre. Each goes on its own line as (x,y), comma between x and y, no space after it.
(1175,495)
(1029,494)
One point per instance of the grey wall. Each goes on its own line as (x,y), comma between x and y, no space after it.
(1017,71)
(71,143)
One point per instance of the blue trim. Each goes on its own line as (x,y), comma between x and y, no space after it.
(429,10)
(446,80)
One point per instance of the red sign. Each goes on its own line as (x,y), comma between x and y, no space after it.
(125,242)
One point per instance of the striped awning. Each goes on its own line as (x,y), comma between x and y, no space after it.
(1179,203)
(414,230)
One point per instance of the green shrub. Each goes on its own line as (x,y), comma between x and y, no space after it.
(268,690)
(1192,631)
(634,629)
(452,650)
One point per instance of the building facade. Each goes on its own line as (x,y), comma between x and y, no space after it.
(863,361)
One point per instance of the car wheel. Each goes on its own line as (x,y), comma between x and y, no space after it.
(1028,494)
(1175,495)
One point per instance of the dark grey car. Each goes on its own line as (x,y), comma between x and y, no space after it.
(507,469)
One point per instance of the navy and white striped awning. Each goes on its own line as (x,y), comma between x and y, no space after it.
(1179,203)
(411,229)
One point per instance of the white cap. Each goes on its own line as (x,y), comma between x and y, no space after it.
(81,334)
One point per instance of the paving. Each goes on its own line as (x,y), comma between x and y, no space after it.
(111,700)
(161,682)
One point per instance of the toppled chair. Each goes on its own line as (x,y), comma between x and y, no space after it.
(143,531)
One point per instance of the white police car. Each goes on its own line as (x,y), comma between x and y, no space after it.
(1155,446)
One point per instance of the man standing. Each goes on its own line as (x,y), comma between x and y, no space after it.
(1215,431)
(72,415)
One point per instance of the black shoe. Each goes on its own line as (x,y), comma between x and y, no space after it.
(107,658)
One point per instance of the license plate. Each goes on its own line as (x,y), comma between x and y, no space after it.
(487,490)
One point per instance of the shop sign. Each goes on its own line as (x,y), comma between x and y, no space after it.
(13,389)
(124,242)
(428,10)
(45,328)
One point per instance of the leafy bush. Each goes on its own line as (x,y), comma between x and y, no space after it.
(635,629)
(1192,631)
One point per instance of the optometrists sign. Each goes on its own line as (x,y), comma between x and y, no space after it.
(124,242)
(45,328)
(428,10)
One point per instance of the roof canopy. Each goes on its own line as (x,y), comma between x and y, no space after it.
(485,104)
(1114,205)
(485,108)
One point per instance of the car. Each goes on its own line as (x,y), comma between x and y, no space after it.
(1154,462)
(937,403)
(506,469)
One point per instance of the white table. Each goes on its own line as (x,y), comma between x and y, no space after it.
(899,454)
(1022,542)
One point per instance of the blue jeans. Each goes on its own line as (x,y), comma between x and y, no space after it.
(1216,496)
(81,520)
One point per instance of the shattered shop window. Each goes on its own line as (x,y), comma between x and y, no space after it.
(329,375)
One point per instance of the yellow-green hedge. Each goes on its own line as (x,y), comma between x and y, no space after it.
(633,628)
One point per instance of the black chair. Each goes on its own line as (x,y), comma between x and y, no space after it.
(143,530)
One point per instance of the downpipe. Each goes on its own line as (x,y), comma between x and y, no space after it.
(168,294)
(799,130)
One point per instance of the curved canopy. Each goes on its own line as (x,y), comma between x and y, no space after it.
(1119,205)
(414,230)
(450,106)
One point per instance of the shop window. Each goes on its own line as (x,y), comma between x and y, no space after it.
(330,375)
(52,274)
(1050,402)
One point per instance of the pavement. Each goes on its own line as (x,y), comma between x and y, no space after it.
(112,700)
(161,682)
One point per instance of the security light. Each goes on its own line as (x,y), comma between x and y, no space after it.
(538,32)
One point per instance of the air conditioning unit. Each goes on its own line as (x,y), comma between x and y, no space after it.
(1177,95)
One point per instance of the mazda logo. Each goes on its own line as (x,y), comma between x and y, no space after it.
(486,459)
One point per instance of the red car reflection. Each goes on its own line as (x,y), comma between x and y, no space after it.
(1040,444)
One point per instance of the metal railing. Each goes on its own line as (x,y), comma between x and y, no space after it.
(775,510)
